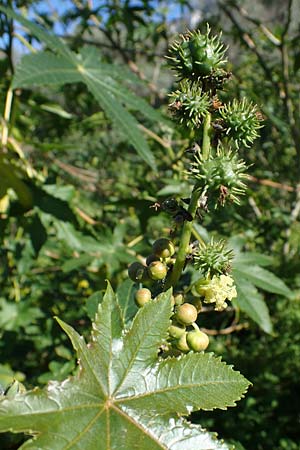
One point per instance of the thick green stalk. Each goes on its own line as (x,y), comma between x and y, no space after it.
(206,137)
(188,226)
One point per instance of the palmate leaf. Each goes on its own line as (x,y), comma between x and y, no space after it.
(123,396)
(103,81)
(263,279)
(250,301)
(248,275)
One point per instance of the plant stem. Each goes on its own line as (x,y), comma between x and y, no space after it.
(206,137)
(6,117)
(188,226)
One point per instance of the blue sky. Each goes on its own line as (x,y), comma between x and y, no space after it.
(60,6)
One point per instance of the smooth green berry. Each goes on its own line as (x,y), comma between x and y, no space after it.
(157,270)
(176,331)
(142,296)
(178,299)
(163,248)
(151,258)
(197,340)
(186,314)
(137,272)
(181,344)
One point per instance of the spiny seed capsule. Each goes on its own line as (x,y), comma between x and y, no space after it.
(176,331)
(137,272)
(186,314)
(182,344)
(163,248)
(197,340)
(157,270)
(142,296)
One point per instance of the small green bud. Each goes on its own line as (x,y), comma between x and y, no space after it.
(157,270)
(176,331)
(170,261)
(197,340)
(163,248)
(178,299)
(181,344)
(186,314)
(142,296)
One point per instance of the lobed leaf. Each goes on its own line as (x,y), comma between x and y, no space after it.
(262,278)
(201,381)
(255,258)
(123,396)
(45,68)
(252,303)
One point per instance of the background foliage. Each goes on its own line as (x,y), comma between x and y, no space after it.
(80,164)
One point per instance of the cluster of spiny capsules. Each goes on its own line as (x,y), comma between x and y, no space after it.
(158,263)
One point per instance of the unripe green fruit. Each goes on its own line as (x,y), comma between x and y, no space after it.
(170,261)
(178,299)
(199,287)
(157,270)
(186,314)
(181,344)
(176,331)
(151,258)
(164,248)
(137,272)
(142,296)
(197,340)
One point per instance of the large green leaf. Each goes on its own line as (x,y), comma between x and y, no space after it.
(262,278)
(124,396)
(246,258)
(103,81)
(252,303)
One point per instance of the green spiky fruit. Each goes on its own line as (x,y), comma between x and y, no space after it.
(197,340)
(142,296)
(186,314)
(163,248)
(197,55)
(213,258)
(189,104)
(242,121)
(157,270)
(221,175)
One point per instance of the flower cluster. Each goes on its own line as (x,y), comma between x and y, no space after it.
(216,290)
